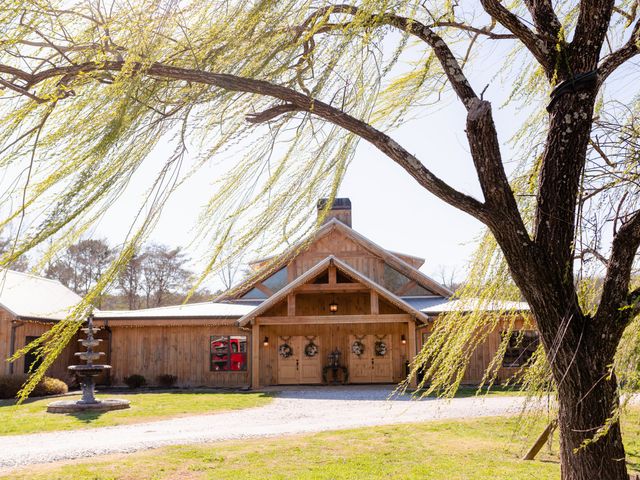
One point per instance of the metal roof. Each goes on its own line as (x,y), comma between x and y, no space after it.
(473,304)
(189,310)
(30,296)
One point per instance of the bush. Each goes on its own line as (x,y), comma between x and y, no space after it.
(167,380)
(135,381)
(10,385)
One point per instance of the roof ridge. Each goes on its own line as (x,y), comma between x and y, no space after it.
(33,275)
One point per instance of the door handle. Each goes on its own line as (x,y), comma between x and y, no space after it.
(372,362)
(297,363)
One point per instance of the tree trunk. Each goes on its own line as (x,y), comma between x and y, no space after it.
(588,398)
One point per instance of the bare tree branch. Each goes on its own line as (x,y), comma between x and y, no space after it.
(629,50)
(536,45)
(615,291)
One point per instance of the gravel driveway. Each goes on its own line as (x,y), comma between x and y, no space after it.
(299,410)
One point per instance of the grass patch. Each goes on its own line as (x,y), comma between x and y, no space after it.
(31,417)
(479,449)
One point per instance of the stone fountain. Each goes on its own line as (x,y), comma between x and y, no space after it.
(86,375)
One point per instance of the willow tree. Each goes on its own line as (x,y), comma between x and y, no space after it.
(290,87)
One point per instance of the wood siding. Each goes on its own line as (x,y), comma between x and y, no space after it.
(26,329)
(337,244)
(482,356)
(183,351)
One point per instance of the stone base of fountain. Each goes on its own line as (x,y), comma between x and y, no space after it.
(76,406)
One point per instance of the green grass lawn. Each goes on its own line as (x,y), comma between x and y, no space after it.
(479,449)
(31,417)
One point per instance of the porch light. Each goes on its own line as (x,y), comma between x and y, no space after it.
(333,307)
(403,340)
(265,342)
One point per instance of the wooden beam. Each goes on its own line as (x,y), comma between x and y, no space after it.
(264,289)
(291,305)
(335,319)
(255,356)
(375,306)
(333,275)
(541,440)
(331,288)
(411,348)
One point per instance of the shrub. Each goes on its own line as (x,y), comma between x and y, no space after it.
(10,385)
(135,381)
(167,380)
(50,386)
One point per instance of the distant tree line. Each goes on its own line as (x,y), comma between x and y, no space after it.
(156,276)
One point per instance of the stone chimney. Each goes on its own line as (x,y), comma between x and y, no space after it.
(340,210)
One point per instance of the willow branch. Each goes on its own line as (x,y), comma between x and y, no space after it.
(294,101)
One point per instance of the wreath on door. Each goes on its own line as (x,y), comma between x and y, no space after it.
(357,347)
(380,348)
(285,350)
(311,349)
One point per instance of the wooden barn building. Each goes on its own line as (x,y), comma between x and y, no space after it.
(336,307)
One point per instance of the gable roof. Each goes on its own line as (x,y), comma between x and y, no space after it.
(30,296)
(317,270)
(390,258)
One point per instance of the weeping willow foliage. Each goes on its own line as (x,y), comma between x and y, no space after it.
(72,146)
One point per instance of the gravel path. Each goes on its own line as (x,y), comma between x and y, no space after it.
(293,411)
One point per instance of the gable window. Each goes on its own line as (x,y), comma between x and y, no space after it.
(396,282)
(31,361)
(228,353)
(521,347)
(277,281)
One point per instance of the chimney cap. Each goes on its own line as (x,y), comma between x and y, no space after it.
(338,204)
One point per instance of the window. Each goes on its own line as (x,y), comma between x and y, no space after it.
(521,346)
(277,281)
(255,294)
(31,361)
(228,353)
(395,282)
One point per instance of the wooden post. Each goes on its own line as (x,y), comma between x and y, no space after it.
(542,439)
(255,356)
(332,274)
(411,347)
(291,305)
(375,305)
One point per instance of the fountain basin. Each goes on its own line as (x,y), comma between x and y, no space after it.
(88,370)
(74,406)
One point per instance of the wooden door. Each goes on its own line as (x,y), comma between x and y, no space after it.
(299,368)
(382,365)
(289,367)
(310,367)
(360,367)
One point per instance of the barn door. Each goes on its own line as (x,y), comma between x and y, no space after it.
(382,364)
(370,367)
(289,367)
(299,367)
(310,359)
(360,366)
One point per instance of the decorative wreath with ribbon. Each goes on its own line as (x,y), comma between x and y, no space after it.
(381,348)
(357,347)
(285,350)
(311,349)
